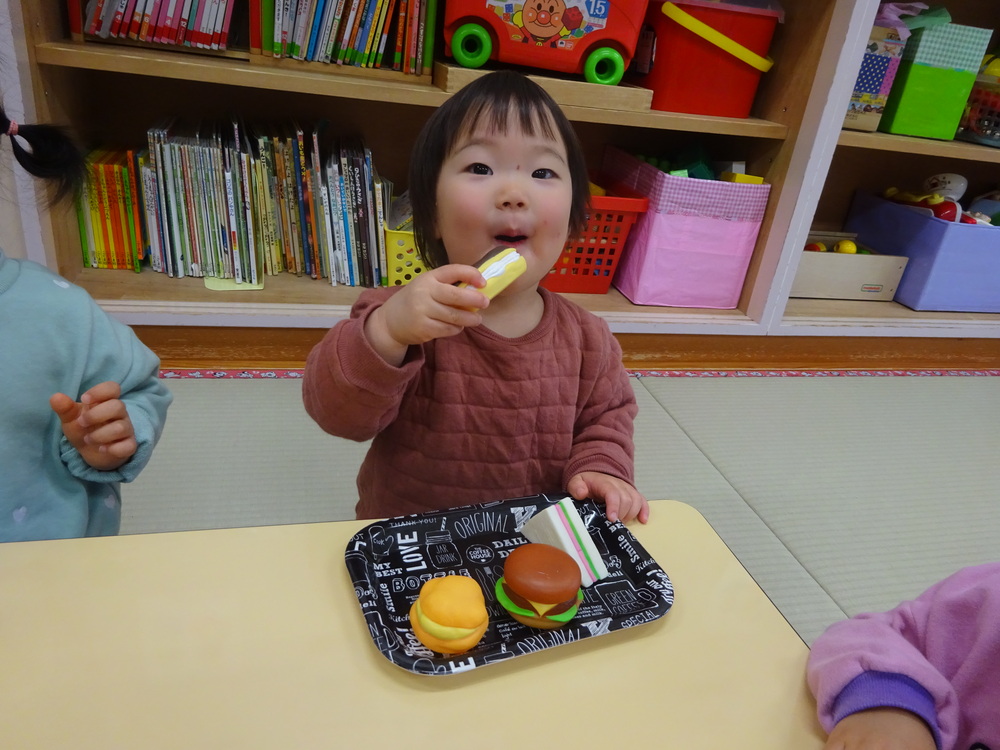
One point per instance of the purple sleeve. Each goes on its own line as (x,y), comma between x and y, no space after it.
(926,655)
(886,690)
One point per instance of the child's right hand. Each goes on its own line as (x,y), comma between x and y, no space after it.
(429,307)
(881,729)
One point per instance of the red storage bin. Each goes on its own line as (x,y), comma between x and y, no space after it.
(705,57)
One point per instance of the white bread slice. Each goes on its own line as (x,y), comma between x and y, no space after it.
(561,526)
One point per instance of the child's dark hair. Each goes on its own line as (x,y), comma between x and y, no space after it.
(502,99)
(52,156)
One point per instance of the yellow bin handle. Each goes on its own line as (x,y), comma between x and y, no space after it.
(720,40)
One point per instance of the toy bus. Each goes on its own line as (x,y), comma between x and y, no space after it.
(592,38)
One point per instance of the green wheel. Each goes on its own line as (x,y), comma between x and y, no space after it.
(471,46)
(604,65)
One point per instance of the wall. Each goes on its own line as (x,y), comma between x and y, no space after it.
(20,230)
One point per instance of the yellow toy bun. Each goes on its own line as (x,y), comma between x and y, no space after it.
(449,615)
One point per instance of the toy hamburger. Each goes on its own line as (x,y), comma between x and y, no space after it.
(449,615)
(540,586)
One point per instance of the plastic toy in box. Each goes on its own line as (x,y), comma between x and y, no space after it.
(592,38)
(878,70)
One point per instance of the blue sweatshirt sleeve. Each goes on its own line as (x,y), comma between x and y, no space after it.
(116,354)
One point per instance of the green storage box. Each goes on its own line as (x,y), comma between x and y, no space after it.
(935,77)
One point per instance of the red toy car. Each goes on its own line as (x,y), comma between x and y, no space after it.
(596,38)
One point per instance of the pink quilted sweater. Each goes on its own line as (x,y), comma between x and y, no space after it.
(475,417)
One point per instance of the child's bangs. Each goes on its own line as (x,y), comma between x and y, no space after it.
(530,116)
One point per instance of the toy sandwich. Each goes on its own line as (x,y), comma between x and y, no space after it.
(561,526)
(500,266)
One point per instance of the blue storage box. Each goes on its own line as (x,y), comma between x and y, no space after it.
(951,267)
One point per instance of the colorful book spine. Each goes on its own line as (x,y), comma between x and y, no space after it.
(137,15)
(430,24)
(317,22)
(116,18)
(149,21)
(267,25)
(347,30)
(383,37)
(363,29)
(83,216)
(227,23)
(185,20)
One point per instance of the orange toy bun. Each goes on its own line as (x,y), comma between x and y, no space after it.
(454,646)
(449,615)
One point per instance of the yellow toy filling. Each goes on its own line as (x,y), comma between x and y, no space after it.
(443,632)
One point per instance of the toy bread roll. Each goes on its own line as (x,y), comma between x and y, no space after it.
(449,615)
(500,266)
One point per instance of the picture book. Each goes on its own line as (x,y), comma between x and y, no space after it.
(319,8)
(338,213)
(153,220)
(335,27)
(376,247)
(86,228)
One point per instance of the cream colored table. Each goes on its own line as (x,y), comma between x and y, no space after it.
(252,638)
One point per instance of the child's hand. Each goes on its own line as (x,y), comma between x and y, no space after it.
(429,307)
(98,426)
(881,729)
(621,500)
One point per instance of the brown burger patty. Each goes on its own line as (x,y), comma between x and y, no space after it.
(542,573)
(556,609)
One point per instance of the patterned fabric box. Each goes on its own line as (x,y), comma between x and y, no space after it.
(935,77)
(878,70)
(693,245)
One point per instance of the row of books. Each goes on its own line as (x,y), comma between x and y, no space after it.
(232,201)
(204,24)
(388,34)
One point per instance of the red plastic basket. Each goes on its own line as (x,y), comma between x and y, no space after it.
(588,262)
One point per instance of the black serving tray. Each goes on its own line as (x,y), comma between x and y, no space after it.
(389,561)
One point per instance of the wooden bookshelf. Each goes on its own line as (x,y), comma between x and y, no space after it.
(112,93)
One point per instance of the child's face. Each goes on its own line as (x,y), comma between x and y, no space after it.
(510,189)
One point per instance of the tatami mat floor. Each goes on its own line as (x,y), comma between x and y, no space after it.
(801,476)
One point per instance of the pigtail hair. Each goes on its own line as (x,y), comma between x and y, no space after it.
(52,155)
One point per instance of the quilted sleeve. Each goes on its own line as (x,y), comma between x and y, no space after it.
(606,409)
(347,388)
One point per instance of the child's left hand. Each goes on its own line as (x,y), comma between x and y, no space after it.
(621,500)
(98,426)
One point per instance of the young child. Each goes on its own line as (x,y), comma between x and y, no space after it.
(82,406)
(924,675)
(468,399)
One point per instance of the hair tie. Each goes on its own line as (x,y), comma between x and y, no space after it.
(12,129)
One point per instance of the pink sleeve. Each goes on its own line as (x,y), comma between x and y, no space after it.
(926,640)
(347,388)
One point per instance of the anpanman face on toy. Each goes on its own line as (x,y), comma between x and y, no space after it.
(543,18)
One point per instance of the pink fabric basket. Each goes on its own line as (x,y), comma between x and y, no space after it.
(693,245)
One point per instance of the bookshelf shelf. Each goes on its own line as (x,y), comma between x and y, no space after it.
(847,317)
(230,71)
(325,80)
(904,144)
(794,140)
(308,303)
